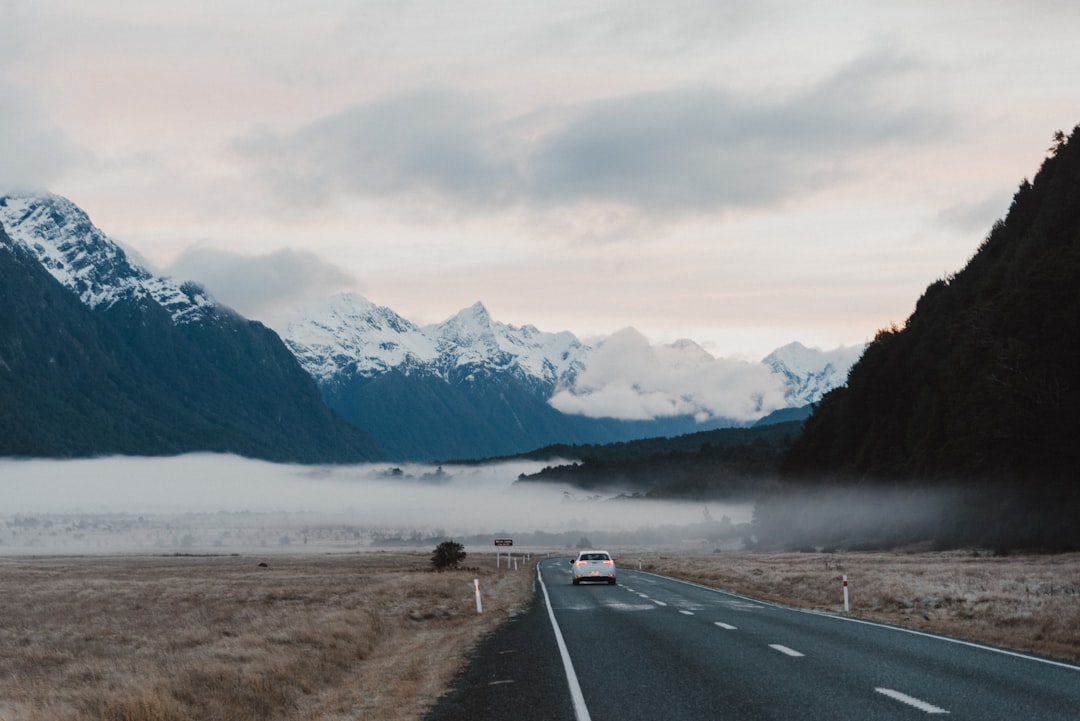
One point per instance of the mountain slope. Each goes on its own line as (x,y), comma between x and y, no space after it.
(98,357)
(982,384)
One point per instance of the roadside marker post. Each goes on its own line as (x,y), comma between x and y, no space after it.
(479,603)
(847,606)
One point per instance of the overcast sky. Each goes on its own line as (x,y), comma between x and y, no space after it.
(744,174)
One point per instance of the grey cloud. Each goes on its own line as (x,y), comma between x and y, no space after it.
(659,153)
(432,142)
(33,152)
(706,149)
(261,286)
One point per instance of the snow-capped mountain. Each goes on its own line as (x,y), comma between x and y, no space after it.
(99,356)
(474,387)
(87,261)
(351,335)
(810,373)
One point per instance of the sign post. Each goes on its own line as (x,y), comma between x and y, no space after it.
(499,543)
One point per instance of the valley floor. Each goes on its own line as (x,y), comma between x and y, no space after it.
(333,636)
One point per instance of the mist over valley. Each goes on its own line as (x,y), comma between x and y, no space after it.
(205,503)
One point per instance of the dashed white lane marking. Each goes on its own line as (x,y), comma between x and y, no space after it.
(910,700)
(726,626)
(687,613)
(785,649)
(658,603)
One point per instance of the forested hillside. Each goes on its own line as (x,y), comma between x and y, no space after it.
(980,388)
(728,463)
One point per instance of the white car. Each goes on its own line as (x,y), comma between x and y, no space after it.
(593,566)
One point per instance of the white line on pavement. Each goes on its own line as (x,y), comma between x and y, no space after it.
(785,649)
(581,712)
(910,701)
(726,626)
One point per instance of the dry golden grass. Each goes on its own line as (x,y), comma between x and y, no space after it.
(318,638)
(1028,603)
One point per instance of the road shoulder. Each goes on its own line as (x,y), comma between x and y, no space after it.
(515,673)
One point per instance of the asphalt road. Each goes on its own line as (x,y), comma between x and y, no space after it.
(656,648)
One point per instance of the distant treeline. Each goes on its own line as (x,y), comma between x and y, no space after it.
(729,463)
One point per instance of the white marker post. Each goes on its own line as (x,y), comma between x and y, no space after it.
(479,603)
(847,606)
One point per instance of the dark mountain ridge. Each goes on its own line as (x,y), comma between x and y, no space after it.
(978,392)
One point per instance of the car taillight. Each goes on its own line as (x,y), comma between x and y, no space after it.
(609,563)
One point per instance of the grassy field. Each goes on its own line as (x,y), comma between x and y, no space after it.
(313,637)
(329,637)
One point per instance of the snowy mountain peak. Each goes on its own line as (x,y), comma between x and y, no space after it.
(349,334)
(471,328)
(810,372)
(82,258)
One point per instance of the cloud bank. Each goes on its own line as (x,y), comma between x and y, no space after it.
(261,286)
(630,379)
(669,152)
(459,499)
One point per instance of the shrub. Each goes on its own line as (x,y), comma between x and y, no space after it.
(448,554)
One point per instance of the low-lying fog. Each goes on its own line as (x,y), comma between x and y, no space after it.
(226,503)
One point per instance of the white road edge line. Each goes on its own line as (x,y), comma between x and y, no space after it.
(910,700)
(770,604)
(726,626)
(785,649)
(581,711)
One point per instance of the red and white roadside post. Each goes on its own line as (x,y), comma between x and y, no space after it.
(847,606)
